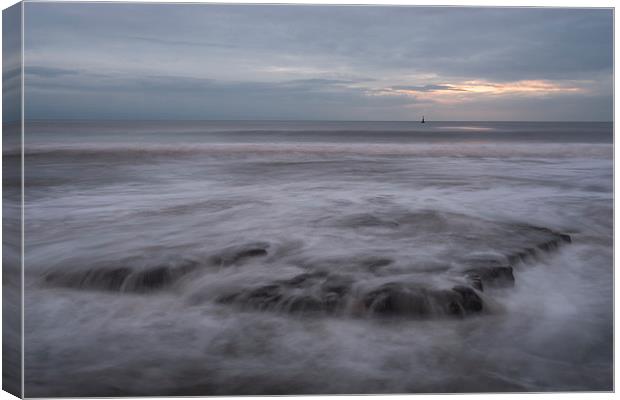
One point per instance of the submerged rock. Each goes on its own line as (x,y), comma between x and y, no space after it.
(373,264)
(239,253)
(263,297)
(469,302)
(304,303)
(304,279)
(492,276)
(122,279)
(353,285)
(307,292)
(364,221)
(101,278)
(139,278)
(566,238)
(397,299)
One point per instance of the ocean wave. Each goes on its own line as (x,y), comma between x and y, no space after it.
(573,150)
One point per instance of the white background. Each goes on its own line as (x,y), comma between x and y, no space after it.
(486,3)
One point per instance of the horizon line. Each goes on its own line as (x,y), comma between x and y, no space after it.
(276,120)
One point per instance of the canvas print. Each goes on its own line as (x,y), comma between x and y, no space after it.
(228,199)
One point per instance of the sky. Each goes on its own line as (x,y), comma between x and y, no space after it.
(292,62)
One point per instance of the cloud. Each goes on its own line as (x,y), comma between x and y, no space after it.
(332,61)
(143,97)
(467,92)
(425,88)
(167,42)
(49,72)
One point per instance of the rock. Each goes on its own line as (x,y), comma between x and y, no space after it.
(337,284)
(365,221)
(374,263)
(123,279)
(488,271)
(307,292)
(548,246)
(476,281)
(98,278)
(304,303)
(237,254)
(470,301)
(492,276)
(265,297)
(332,301)
(395,299)
(305,279)
(521,256)
(154,278)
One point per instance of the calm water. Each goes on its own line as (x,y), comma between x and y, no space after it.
(204,258)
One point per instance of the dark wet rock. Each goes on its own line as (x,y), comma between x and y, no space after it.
(154,278)
(334,291)
(337,284)
(375,263)
(548,246)
(492,276)
(251,253)
(305,279)
(122,279)
(366,221)
(98,279)
(475,281)
(107,279)
(307,292)
(299,280)
(428,220)
(522,256)
(496,273)
(556,235)
(358,263)
(396,299)
(517,257)
(332,301)
(484,272)
(240,253)
(227,298)
(470,301)
(304,304)
(262,298)
(159,277)
(530,253)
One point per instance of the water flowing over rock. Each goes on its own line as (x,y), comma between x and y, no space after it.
(323,290)
(123,278)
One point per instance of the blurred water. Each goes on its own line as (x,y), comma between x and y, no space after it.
(202,258)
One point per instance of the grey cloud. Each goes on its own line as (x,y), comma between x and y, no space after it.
(319,81)
(197,98)
(168,42)
(49,72)
(275,53)
(426,88)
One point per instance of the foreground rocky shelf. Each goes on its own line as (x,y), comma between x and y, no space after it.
(368,285)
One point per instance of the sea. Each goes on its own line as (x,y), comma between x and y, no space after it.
(290,257)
